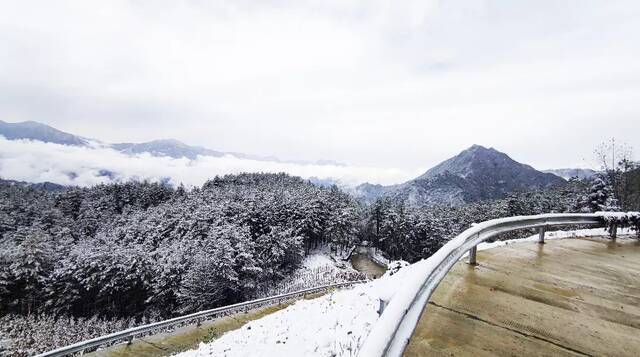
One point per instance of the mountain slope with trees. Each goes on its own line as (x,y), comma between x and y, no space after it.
(146,249)
(475,174)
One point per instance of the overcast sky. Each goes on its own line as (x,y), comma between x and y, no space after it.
(389,84)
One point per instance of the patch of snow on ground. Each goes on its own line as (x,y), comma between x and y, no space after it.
(317,260)
(316,269)
(332,325)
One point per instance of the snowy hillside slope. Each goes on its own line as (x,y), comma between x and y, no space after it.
(332,325)
(318,268)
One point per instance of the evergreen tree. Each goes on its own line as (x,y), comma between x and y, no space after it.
(600,197)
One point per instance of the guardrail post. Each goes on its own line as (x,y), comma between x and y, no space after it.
(472,255)
(129,340)
(382,305)
(541,232)
(613,231)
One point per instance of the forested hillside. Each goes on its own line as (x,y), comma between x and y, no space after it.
(411,233)
(476,174)
(140,248)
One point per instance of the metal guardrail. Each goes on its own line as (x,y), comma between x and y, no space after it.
(197,316)
(390,335)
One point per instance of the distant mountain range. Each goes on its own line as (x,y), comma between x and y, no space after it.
(167,147)
(36,131)
(47,186)
(475,174)
(32,130)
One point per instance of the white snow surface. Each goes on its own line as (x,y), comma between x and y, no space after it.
(317,260)
(338,323)
(333,324)
(317,268)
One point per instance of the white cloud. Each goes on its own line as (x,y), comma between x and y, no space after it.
(35,161)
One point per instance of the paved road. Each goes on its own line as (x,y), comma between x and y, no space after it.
(365,265)
(564,298)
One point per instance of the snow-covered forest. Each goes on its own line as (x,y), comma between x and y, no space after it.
(145,249)
(412,233)
(100,258)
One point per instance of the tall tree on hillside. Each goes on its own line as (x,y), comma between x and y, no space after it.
(633,200)
(616,162)
(30,263)
(600,196)
(210,278)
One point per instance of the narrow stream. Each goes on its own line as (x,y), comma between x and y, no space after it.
(363,264)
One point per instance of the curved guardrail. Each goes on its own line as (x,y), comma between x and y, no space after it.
(391,334)
(197,316)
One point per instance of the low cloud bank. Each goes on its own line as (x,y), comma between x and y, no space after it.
(35,161)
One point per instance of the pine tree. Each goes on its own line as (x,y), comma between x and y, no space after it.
(600,197)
